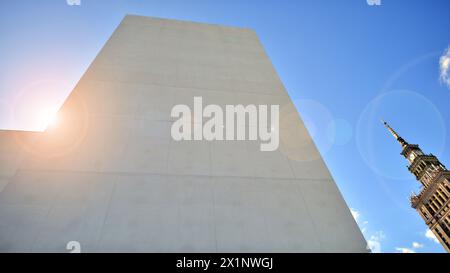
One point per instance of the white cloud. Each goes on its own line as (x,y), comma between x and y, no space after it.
(374,243)
(73,2)
(444,66)
(430,235)
(355,214)
(417,245)
(404,250)
(374,246)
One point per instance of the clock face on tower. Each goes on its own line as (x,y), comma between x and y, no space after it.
(412,156)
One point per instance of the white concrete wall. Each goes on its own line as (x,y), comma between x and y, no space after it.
(110,176)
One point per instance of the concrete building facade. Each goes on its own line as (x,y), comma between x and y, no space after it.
(110,176)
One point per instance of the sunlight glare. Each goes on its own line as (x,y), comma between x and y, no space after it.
(48,120)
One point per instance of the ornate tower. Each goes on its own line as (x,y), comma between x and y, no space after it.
(433,201)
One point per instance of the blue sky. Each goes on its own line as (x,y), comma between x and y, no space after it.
(345,64)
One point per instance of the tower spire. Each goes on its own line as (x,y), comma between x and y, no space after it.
(394,133)
(432,201)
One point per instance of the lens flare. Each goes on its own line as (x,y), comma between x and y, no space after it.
(48,119)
